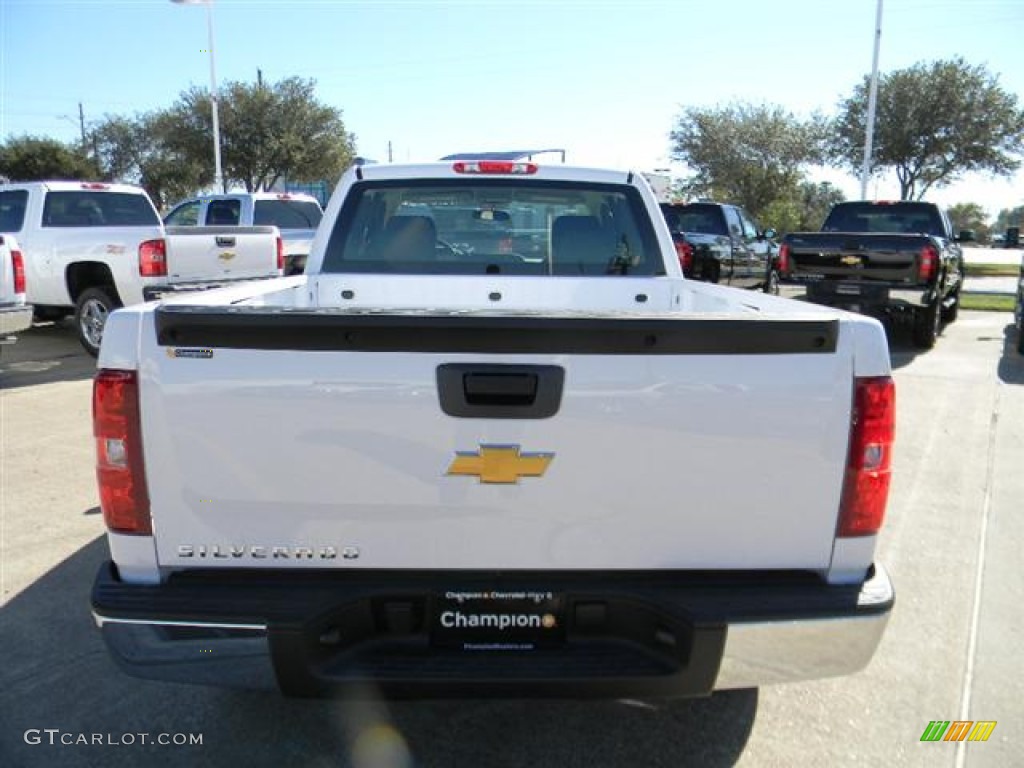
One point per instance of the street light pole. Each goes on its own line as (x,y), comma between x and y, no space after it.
(218,176)
(869,132)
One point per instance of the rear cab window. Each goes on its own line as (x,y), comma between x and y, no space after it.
(13,203)
(889,218)
(702,218)
(493,226)
(98,209)
(224,213)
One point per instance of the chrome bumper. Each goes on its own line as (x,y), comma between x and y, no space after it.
(733,638)
(764,653)
(14,319)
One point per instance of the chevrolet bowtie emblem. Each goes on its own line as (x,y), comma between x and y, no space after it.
(500,464)
(226,256)
(850,261)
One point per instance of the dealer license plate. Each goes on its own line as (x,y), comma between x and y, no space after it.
(498,620)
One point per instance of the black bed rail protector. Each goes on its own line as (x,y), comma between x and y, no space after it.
(312,330)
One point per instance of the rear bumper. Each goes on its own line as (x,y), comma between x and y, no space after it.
(14,319)
(866,297)
(639,635)
(158,291)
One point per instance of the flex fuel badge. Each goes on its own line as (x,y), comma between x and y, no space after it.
(499,464)
(189,353)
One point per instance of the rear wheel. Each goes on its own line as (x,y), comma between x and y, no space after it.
(926,325)
(93,307)
(771,285)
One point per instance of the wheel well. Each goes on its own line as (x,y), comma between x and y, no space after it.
(89,274)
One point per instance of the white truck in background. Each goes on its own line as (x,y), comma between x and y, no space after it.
(543,465)
(296,215)
(92,247)
(15,311)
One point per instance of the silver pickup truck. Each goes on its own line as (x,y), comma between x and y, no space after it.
(556,468)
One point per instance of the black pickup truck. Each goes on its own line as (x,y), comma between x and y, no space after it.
(721,243)
(899,259)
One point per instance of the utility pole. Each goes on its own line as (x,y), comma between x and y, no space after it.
(81,122)
(869,131)
(389,151)
(95,146)
(259,77)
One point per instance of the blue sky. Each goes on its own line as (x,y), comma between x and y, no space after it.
(603,79)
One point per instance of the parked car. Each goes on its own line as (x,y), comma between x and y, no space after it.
(296,215)
(900,259)
(721,243)
(15,311)
(91,247)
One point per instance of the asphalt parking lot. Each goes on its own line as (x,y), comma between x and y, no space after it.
(953,649)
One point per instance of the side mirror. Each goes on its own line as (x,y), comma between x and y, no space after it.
(769,234)
(966,236)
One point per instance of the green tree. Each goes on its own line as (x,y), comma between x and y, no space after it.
(802,208)
(970,216)
(1008,217)
(934,122)
(746,154)
(268,132)
(144,150)
(36,158)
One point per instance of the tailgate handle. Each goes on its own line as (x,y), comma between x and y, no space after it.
(500,388)
(225,242)
(489,391)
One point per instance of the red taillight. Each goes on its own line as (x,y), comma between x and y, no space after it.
(94,185)
(119,467)
(284,197)
(280,253)
(19,271)
(928,264)
(869,464)
(153,258)
(685,253)
(494,166)
(783,259)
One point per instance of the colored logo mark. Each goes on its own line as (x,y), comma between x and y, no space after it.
(501,464)
(958,730)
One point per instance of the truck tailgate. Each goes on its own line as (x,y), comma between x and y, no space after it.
(220,252)
(856,256)
(384,440)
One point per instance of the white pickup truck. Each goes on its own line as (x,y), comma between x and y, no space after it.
(91,247)
(15,312)
(296,215)
(543,464)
